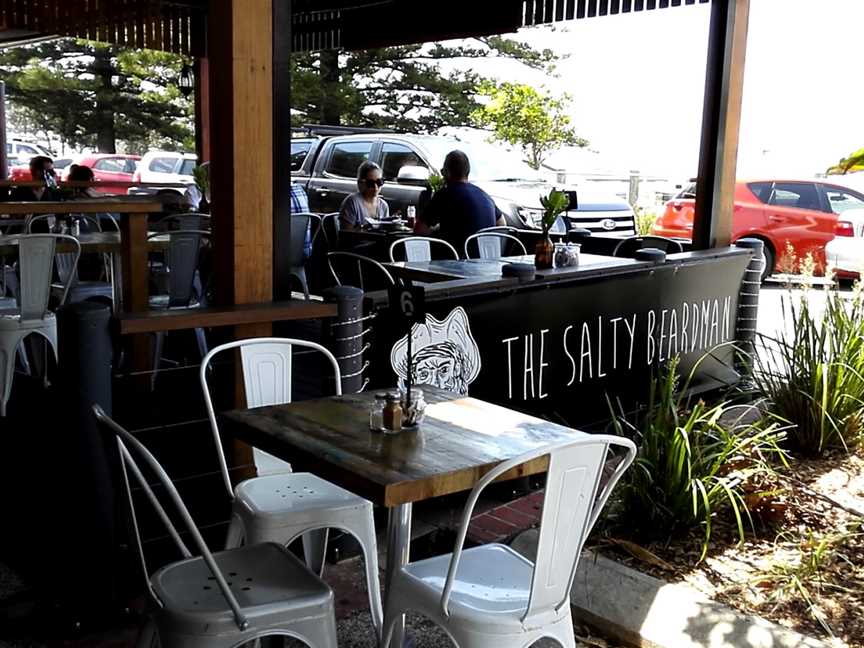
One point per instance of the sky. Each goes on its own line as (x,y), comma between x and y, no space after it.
(637,82)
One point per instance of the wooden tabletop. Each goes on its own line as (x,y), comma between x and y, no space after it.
(446,269)
(95,242)
(119,204)
(460,439)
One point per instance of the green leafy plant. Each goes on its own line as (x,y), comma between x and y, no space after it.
(435,182)
(645,219)
(694,461)
(201,173)
(553,205)
(812,374)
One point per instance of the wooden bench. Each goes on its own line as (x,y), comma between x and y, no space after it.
(153,321)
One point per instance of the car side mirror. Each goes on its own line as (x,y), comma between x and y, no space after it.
(417,176)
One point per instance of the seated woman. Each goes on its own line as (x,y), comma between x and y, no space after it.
(366,203)
(78,173)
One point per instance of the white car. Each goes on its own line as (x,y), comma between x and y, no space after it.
(164,166)
(845,253)
(20,152)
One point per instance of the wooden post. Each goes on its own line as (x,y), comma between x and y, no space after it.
(240,61)
(241,120)
(721,118)
(202,109)
(281,148)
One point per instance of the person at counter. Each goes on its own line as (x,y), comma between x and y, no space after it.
(460,209)
(367,202)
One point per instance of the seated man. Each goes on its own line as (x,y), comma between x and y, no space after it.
(460,209)
(41,170)
(300,205)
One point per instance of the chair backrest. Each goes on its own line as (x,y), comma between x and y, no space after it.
(184,221)
(300,224)
(125,442)
(571,506)
(330,226)
(36,257)
(181,259)
(493,245)
(358,261)
(627,247)
(419,248)
(267,372)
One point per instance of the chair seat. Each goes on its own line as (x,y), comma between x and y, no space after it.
(292,499)
(267,580)
(83,290)
(10,319)
(492,580)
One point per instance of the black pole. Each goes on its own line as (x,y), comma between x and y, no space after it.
(282,13)
(4,158)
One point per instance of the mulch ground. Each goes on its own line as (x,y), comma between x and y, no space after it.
(802,568)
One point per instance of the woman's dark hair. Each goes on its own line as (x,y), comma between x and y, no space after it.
(364,169)
(78,173)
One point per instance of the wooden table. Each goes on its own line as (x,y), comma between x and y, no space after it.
(133,228)
(459,441)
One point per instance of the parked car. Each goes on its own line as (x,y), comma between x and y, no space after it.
(845,252)
(164,166)
(804,215)
(107,168)
(19,152)
(327,166)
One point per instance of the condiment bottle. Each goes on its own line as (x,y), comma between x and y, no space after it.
(392,414)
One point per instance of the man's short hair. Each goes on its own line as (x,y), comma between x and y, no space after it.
(457,165)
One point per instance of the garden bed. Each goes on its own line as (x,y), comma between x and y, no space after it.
(803,568)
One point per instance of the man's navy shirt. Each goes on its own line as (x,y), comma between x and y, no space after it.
(461,209)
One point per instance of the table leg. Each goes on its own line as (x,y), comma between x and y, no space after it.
(398,547)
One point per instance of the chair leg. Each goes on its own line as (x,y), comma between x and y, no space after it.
(235,533)
(314,549)
(23,359)
(157,357)
(202,342)
(366,535)
(320,633)
(149,637)
(8,349)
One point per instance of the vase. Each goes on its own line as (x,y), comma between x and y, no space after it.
(544,253)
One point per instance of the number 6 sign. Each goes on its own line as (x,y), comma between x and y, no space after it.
(408,302)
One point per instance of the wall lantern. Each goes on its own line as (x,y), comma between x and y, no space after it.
(187,80)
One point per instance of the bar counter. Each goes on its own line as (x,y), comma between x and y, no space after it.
(572,344)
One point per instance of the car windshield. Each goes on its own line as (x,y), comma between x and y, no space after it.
(687,192)
(488,163)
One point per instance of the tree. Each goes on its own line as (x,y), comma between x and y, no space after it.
(410,88)
(95,95)
(855,162)
(524,116)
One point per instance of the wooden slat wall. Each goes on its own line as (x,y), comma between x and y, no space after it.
(144,24)
(330,27)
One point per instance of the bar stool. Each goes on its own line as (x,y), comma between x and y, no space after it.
(282,507)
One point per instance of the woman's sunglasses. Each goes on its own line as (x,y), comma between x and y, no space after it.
(373,183)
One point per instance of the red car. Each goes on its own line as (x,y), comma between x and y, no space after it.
(107,168)
(803,215)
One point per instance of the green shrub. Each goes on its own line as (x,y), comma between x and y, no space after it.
(694,462)
(813,374)
(645,219)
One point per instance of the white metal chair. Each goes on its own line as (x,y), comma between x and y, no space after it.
(35,270)
(492,597)
(267,591)
(492,245)
(284,506)
(419,248)
(361,262)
